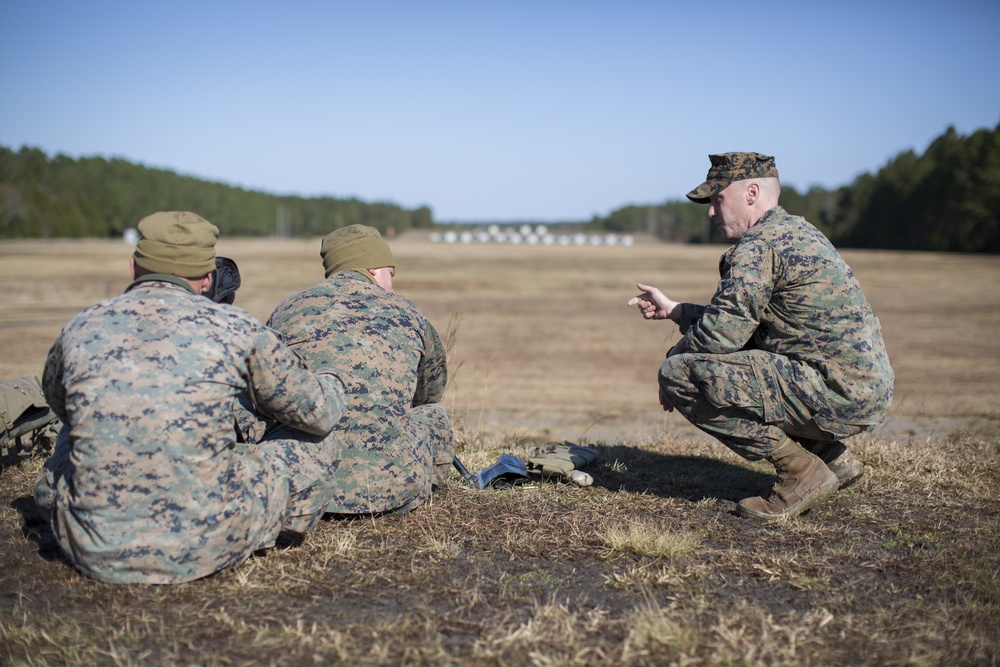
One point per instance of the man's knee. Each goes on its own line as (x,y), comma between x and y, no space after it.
(432,427)
(676,379)
(432,424)
(674,369)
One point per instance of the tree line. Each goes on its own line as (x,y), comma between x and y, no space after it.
(97,197)
(947,199)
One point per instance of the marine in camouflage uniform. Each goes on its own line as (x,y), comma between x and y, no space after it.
(148,483)
(396,436)
(788,358)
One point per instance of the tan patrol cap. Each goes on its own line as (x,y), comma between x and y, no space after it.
(729,167)
(178,243)
(354,247)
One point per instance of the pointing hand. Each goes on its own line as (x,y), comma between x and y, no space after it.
(653,304)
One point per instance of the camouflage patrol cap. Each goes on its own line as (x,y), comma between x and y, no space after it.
(176,242)
(354,247)
(729,167)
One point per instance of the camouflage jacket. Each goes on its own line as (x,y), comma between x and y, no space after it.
(785,289)
(390,358)
(146,384)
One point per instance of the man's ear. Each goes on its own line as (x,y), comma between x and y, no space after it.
(753,193)
(131,267)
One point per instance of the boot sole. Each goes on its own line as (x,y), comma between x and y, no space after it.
(822,492)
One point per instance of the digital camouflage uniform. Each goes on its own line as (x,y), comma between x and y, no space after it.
(788,345)
(147,483)
(396,435)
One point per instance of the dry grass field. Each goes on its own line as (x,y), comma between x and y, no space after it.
(650,566)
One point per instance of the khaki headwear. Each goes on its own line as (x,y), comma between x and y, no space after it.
(729,167)
(354,247)
(178,243)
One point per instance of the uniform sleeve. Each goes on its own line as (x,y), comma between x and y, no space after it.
(735,312)
(690,315)
(432,371)
(52,381)
(283,388)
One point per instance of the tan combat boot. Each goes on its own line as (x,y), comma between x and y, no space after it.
(838,459)
(804,481)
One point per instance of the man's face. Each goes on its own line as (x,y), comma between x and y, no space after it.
(730,211)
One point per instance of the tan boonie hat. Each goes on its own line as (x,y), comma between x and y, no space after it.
(354,247)
(176,242)
(729,167)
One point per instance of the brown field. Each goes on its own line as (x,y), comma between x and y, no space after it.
(648,566)
(543,342)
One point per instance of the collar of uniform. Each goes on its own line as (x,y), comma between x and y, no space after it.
(358,273)
(160,277)
(770,213)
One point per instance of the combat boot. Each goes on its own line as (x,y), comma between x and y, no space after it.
(804,481)
(838,459)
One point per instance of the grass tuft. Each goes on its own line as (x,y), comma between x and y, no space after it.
(650,540)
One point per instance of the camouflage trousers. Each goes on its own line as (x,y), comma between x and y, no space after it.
(395,474)
(744,400)
(280,484)
(303,461)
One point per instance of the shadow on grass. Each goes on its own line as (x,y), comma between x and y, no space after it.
(35,527)
(686,477)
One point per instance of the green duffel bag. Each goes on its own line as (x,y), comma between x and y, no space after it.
(28,425)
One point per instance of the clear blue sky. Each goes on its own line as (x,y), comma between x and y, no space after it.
(506,110)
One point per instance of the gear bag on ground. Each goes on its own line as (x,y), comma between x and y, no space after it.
(28,426)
